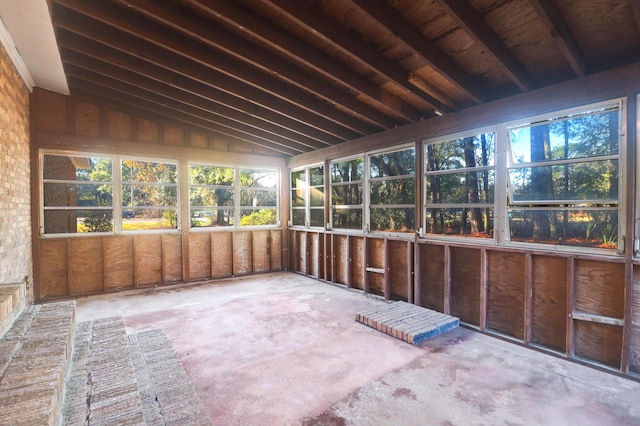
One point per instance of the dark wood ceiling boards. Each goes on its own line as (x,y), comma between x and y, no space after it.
(293,76)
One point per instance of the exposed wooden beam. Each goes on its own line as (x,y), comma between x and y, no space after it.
(472,23)
(106,60)
(311,20)
(253,24)
(550,16)
(231,117)
(196,28)
(635,5)
(117,91)
(121,30)
(169,67)
(388,17)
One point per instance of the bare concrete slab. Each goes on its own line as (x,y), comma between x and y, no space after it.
(284,349)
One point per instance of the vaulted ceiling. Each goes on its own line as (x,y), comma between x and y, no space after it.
(292,76)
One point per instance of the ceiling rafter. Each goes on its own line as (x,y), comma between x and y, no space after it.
(635,5)
(216,37)
(229,116)
(107,87)
(388,17)
(472,23)
(115,23)
(297,50)
(80,54)
(550,16)
(345,41)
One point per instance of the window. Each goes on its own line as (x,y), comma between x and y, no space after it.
(77,193)
(392,188)
(149,195)
(460,184)
(228,197)
(346,194)
(307,197)
(564,174)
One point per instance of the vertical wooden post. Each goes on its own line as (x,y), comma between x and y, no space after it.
(69,268)
(528,298)
(484,284)
(410,298)
(327,256)
(349,263)
(417,276)
(334,259)
(571,265)
(367,279)
(447,279)
(294,250)
(387,270)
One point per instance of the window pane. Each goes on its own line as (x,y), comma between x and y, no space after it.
(585,228)
(297,197)
(139,195)
(317,197)
(317,218)
(593,180)
(472,151)
(346,195)
(347,171)
(258,198)
(148,172)
(78,168)
(211,197)
(148,219)
(258,178)
(347,218)
(397,163)
(397,191)
(298,217)
(258,217)
(468,187)
(393,219)
(469,222)
(211,217)
(579,136)
(74,221)
(69,194)
(211,175)
(316,176)
(298,179)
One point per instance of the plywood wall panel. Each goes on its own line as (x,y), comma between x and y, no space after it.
(147,131)
(200,255)
(49,111)
(198,140)
(276,250)
(376,283)
(341,258)
(173,135)
(505,293)
(598,342)
(357,262)
(86,273)
(119,125)
(172,258)
(87,119)
(303,251)
(53,269)
(261,249)
(634,348)
(118,260)
(242,253)
(375,248)
(398,269)
(465,284)
(147,260)
(221,254)
(549,302)
(431,276)
(599,288)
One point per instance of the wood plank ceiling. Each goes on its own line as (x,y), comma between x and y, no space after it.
(283,77)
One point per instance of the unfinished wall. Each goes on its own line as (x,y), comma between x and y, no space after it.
(15,204)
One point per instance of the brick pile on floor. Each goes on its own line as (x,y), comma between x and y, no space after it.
(34,358)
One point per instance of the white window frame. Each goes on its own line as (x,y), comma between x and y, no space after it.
(307,208)
(498,183)
(331,185)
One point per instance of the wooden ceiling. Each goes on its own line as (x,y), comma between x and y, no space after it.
(284,77)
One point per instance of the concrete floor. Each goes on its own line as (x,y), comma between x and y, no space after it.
(283,349)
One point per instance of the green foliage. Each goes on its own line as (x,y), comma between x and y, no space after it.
(172,217)
(97,222)
(260,217)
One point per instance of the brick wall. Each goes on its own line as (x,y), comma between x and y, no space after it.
(15,196)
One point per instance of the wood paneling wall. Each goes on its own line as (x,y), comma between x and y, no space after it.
(559,302)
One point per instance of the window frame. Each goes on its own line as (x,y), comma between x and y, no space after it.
(307,208)
(556,116)
(360,207)
(464,238)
